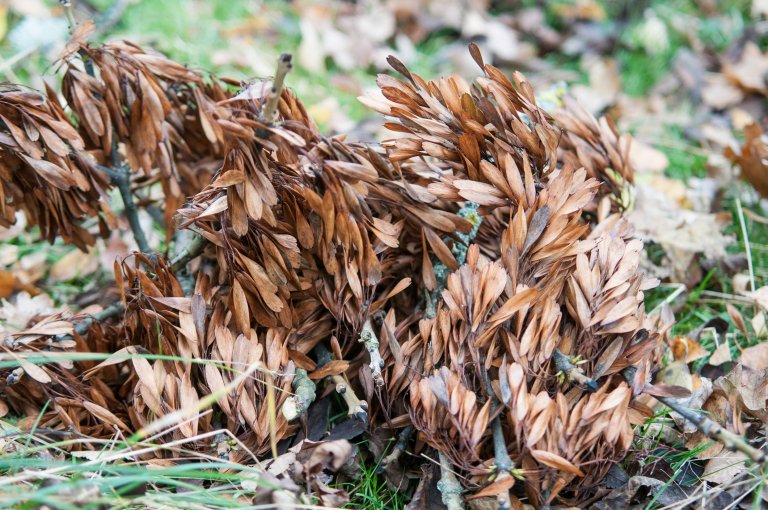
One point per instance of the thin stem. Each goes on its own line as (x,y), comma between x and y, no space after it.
(708,427)
(284,66)
(397,451)
(191,249)
(187,245)
(123,183)
(572,372)
(109,312)
(67,4)
(714,430)
(121,178)
(504,464)
(356,409)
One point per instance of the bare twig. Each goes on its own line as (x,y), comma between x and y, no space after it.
(107,313)
(304,394)
(397,451)
(371,342)
(187,245)
(572,372)
(709,427)
(284,66)
(714,430)
(122,179)
(188,250)
(504,464)
(67,4)
(449,485)
(356,408)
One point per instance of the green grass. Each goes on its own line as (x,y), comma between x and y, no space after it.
(370,492)
(685,161)
(83,485)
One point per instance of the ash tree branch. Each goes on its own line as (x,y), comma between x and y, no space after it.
(304,394)
(121,177)
(707,426)
(371,342)
(356,409)
(83,326)
(504,464)
(717,432)
(397,451)
(449,486)
(572,372)
(119,174)
(284,66)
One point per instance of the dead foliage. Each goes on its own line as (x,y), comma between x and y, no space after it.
(432,281)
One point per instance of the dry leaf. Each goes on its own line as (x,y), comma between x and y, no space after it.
(721,355)
(755,357)
(725,467)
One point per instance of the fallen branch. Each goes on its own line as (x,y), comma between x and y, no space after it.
(713,430)
(371,342)
(187,246)
(119,174)
(304,394)
(83,326)
(708,427)
(504,464)
(68,11)
(705,425)
(123,183)
(187,251)
(449,485)
(306,391)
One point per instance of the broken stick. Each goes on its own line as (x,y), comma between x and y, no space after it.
(371,342)
(304,394)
